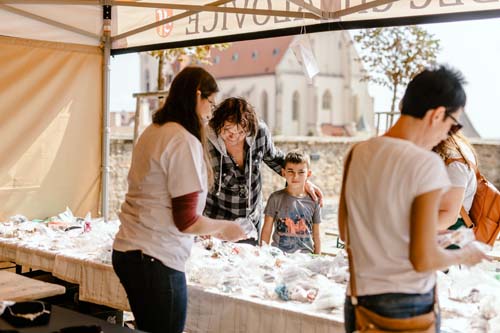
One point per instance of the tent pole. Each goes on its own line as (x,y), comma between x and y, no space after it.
(105,107)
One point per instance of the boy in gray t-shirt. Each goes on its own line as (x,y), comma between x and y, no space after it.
(295,216)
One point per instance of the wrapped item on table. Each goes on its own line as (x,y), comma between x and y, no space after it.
(293,274)
(248,227)
(489,306)
(252,283)
(18,218)
(229,282)
(330,295)
(466,282)
(493,325)
(268,291)
(302,293)
(300,287)
(272,251)
(328,266)
(459,237)
(205,271)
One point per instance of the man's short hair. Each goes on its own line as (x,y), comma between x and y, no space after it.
(296,157)
(432,88)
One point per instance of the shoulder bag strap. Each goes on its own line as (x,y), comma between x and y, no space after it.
(342,201)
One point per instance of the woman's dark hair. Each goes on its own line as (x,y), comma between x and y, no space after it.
(180,106)
(237,111)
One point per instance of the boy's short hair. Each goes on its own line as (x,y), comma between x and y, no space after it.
(432,88)
(297,156)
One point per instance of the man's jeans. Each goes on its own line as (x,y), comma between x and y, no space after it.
(157,294)
(393,305)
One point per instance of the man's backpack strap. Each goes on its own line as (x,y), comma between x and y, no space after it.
(468,222)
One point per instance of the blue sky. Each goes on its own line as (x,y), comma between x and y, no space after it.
(470,46)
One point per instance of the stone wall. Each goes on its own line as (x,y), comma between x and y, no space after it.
(488,153)
(120,157)
(327,158)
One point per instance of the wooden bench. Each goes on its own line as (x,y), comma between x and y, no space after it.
(15,287)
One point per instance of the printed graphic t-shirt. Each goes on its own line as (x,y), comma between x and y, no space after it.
(293,219)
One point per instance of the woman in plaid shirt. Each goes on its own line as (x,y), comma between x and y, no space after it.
(238,144)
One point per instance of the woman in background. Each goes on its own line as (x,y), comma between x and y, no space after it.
(238,145)
(461,161)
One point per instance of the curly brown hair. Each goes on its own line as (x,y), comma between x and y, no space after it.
(238,111)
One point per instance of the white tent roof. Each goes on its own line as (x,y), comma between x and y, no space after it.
(161,24)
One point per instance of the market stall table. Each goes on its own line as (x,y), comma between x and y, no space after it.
(226,292)
(15,287)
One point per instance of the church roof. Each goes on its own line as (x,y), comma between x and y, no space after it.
(249,58)
(468,129)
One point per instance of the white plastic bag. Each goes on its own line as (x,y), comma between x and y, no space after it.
(302,49)
(248,227)
(459,237)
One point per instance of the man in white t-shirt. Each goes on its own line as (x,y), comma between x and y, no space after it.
(392,189)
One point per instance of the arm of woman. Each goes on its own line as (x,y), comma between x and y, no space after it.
(272,156)
(425,254)
(314,192)
(223,229)
(188,221)
(449,209)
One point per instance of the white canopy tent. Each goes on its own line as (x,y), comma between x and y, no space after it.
(54,65)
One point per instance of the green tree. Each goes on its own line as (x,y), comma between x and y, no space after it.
(393,56)
(192,54)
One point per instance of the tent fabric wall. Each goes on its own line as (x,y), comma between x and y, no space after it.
(18,20)
(50,127)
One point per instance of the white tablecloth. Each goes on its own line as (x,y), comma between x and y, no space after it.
(208,310)
(213,312)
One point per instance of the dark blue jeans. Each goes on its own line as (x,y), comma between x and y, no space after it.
(393,305)
(157,294)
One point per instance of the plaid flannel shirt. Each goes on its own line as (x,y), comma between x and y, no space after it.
(228,198)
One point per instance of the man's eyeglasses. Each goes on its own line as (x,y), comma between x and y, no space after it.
(456,126)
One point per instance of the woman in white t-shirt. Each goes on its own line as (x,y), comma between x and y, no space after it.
(460,159)
(164,204)
(390,204)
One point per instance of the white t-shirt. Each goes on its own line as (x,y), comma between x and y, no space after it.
(462,176)
(167,162)
(385,176)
